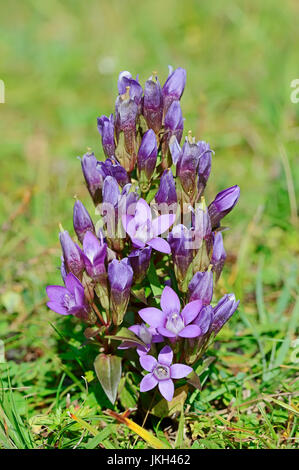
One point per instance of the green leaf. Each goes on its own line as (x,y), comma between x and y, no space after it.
(108,370)
(127,335)
(154,281)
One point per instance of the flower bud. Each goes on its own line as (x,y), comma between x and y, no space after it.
(147,156)
(81,220)
(72,255)
(180,241)
(204,319)
(223,203)
(139,260)
(218,255)
(204,167)
(166,192)
(201,287)
(225,308)
(106,129)
(173,126)
(153,104)
(174,86)
(120,275)
(94,178)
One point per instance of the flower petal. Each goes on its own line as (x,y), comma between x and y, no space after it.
(142,212)
(55,293)
(190,331)
(162,223)
(178,371)
(58,308)
(191,310)
(72,282)
(148,362)
(163,331)
(170,301)
(159,244)
(153,316)
(166,388)
(165,356)
(148,382)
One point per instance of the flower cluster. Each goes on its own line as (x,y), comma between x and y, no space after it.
(154,223)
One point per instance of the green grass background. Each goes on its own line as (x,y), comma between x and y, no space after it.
(60,62)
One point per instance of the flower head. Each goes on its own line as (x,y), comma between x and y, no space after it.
(68,300)
(171,322)
(225,308)
(153,104)
(72,254)
(223,203)
(174,86)
(94,255)
(144,231)
(147,334)
(162,372)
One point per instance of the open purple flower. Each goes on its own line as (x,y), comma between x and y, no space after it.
(68,300)
(162,372)
(170,321)
(144,231)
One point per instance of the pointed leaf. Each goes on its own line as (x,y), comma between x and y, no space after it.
(108,370)
(127,335)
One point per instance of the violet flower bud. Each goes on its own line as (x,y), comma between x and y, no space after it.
(187,167)
(94,255)
(201,221)
(225,308)
(174,122)
(94,178)
(174,86)
(81,220)
(218,255)
(111,167)
(204,319)
(140,261)
(120,275)
(106,129)
(223,203)
(153,104)
(180,241)
(126,114)
(204,167)
(147,156)
(72,255)
(166,192)
(201,287)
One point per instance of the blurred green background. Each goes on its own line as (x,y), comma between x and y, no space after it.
(60,62)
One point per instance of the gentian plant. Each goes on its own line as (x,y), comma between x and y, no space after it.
(141,274)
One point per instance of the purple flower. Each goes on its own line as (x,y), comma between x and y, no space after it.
(94,179)
(223,203)
(120,275)
(174,86)
(72,254)
(193,166)
(111,167)
(204,319)
(68,300)
(218,255)
(166,192)
(180,240)
(201,287)
(174,122)
(139,260)
(171,322)
(125,82)
(106,129)
(144,231)
(162,372)
(204,166)
(94,254)
(225,308)
(147,156)
(147,334)
(153,104)
(82,221)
